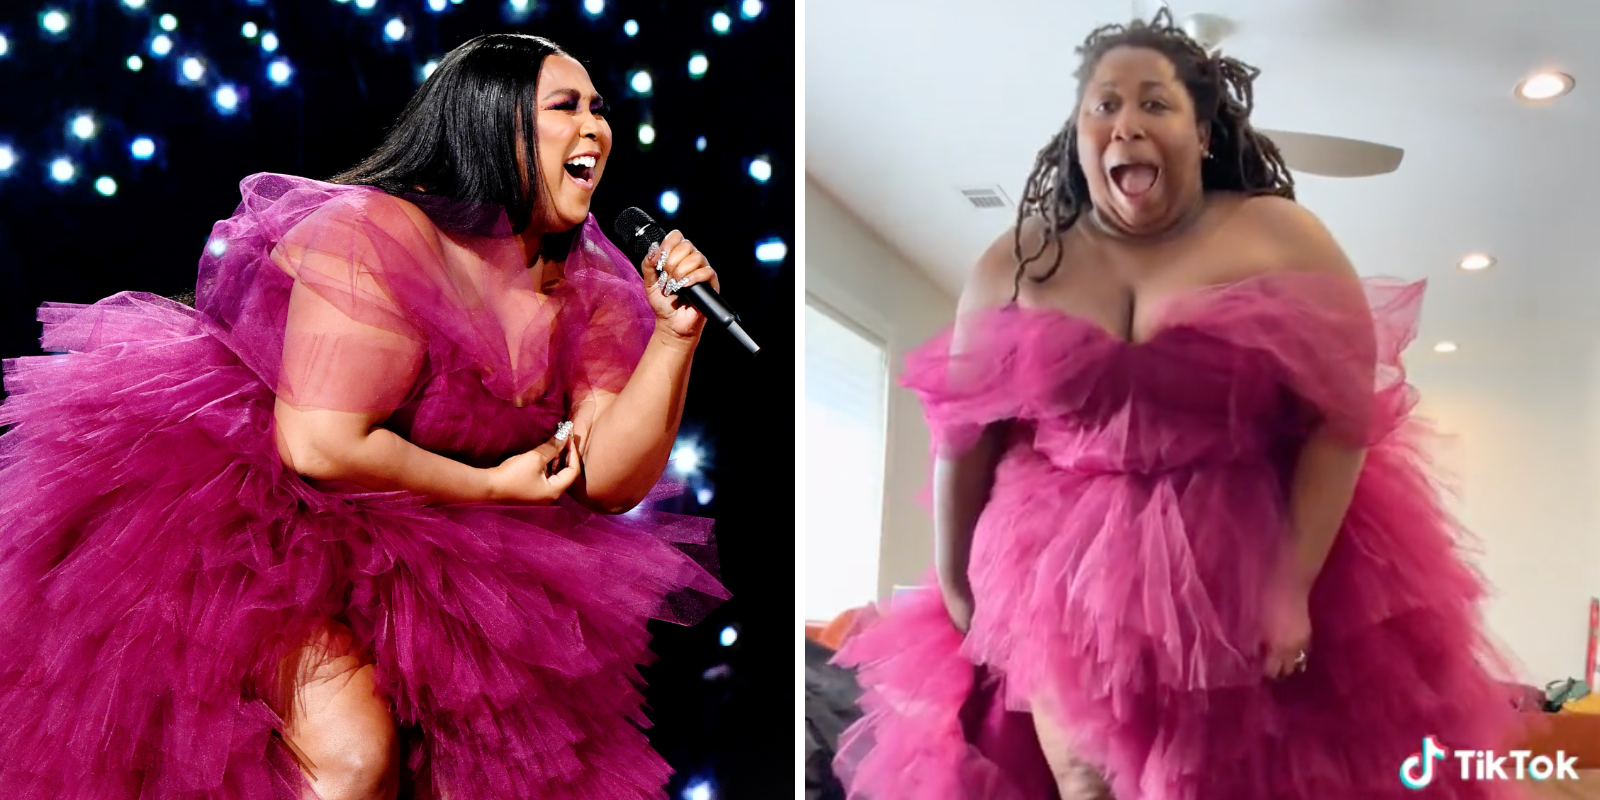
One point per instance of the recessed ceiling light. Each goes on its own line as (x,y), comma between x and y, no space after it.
(1445,347)
(1545,86)
(1474,262)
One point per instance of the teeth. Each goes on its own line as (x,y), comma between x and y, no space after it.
(582,161)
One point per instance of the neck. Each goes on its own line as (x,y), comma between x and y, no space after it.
(1177,225)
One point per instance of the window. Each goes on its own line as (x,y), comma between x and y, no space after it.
(847,386)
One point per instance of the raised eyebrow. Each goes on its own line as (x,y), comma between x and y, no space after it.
(1148,83)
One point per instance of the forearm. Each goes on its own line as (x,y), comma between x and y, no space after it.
(1324,483)
(628,445)
(381,460)
(961,485)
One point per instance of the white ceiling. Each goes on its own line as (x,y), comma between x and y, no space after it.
(907,101)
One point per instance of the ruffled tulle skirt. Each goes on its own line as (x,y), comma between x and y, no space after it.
(1128,610)
(157,563)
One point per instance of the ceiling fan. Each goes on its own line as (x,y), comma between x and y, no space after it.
(1311,153)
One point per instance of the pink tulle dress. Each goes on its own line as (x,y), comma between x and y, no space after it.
(157,560)
(1121,566)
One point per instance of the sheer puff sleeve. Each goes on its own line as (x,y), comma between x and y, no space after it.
(348,346)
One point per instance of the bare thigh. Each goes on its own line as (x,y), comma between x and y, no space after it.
(1075,780)
(336,724)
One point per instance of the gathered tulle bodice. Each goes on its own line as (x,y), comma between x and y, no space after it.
(1173,402)
(349,299)
(1232,372)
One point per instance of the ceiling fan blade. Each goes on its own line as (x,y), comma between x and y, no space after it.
(1333,156)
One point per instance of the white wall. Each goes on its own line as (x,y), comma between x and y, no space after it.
(1521,443)
(858,276)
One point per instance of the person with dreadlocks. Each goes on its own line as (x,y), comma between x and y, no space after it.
(1185,527)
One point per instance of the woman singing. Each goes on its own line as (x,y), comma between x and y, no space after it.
(349,526)
(1183,515)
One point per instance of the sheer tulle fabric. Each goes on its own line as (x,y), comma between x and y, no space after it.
(157,560)
(1136,524)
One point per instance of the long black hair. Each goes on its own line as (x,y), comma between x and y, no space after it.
(459,136)
(1222,88)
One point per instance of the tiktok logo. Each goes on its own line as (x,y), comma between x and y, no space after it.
(1417,771)
(1487,765)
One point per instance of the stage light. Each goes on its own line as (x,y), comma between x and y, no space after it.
(366,5)
(8,159)
(168,23)
(62,170)
(217,246)
(594,8)
(83,127)
(193,69)
(279,71)
(226,98)
(250,30)
(135,63)
(704,497)
(143,148)
(698,65)
(647,133)
(520,7)
(341,2)
(687,458)
(730,635)
(437,6)
(269,42)
(700,144)
(750,9)
(55,22)
(395,30)
(699,790)
(428,68)
(761,169)
(771,251)
(106,186)
(721,22)
(641,82)
(631,27)
(5,44)
(160,45)
(134,4)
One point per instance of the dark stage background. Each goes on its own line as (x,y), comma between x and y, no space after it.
(723,692)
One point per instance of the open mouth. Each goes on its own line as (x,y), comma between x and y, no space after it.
(581,168)
(1134,179)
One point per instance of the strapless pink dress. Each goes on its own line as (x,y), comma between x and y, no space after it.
(1121,567)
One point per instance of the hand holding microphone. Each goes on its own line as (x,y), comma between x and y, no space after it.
(677,275)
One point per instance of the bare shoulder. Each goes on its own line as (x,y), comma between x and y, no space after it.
(1300,238)
(993,279)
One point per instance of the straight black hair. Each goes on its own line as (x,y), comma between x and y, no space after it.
(464,133)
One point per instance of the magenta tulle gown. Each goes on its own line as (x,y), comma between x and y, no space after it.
(1123,564)
(158,561)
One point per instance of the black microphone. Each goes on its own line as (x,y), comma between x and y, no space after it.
(637,231)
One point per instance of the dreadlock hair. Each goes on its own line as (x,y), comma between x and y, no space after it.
(1222,89)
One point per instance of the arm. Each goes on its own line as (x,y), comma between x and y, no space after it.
(349,446)
(627,436)
(1330,461)
(1329,464)
(962,481)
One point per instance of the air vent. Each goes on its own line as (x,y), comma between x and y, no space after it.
(986,197)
